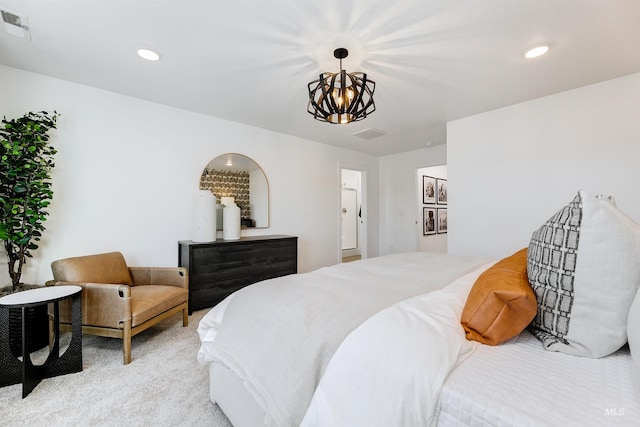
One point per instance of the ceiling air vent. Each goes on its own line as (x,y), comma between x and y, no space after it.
(368,133)
(15,25)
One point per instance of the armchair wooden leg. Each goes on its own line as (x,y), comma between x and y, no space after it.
(126,343)
(185,317)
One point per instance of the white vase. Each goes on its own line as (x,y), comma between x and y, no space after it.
(219,211)
(204,225)
(231,222)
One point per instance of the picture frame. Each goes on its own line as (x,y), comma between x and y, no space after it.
(442,226)
(442,191)
(428,189)
(429,218)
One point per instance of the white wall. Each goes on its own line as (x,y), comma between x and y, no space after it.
(432,242)
(398,187)
(512,168)
(127,173)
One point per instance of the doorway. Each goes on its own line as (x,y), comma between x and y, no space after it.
(352,218)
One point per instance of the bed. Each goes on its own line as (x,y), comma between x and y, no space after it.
(384,342)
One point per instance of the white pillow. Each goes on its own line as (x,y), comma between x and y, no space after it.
(584,267)
(633,332)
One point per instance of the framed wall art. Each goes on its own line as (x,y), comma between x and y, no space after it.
(428,189)
(428,221)
(441,191)
(442,220)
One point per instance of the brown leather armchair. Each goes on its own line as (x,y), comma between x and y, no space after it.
(120,301)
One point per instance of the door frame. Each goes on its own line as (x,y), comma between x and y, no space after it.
(364,226)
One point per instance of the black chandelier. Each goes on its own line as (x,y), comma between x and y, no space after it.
(341,97)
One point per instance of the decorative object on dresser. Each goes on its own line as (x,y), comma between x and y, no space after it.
(231,219)
(204,229)
(217,269)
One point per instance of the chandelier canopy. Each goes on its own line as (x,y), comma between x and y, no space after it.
(341,97)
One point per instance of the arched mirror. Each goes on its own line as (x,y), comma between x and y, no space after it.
(238,176)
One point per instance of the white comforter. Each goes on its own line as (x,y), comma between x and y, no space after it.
(320,356)
(390,370)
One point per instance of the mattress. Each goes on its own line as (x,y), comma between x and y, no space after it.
(520,384)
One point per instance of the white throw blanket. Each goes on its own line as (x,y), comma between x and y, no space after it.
(279,335)
(390,370)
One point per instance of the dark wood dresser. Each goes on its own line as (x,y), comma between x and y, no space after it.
(217,269)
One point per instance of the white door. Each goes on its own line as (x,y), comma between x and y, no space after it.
(349,218)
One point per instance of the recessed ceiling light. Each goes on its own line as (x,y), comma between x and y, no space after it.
(537,51)
(149,55)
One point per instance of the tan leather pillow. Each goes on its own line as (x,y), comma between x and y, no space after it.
(501,302)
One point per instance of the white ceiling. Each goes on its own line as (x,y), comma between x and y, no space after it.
(250,61)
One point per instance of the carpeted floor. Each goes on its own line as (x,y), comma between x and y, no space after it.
(162,386)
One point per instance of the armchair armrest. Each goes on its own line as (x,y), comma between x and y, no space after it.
(170,276)
(112,302)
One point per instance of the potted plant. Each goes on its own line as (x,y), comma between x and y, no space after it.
(26,161)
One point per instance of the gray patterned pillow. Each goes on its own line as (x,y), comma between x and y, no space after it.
(584,267)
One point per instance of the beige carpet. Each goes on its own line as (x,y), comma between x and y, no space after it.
(162,386)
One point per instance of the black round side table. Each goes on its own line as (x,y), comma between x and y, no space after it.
(15,370)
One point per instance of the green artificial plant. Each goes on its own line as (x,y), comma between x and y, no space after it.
(26,161)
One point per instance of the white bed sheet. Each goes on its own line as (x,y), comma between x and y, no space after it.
(520,384)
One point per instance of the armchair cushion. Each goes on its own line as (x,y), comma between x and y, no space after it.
(151,300)
(102,268)
(160,276)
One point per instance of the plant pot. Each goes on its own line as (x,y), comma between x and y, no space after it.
(37,333)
